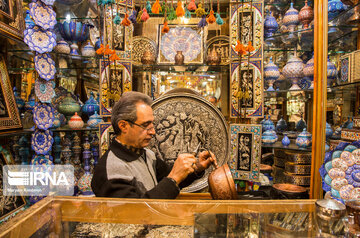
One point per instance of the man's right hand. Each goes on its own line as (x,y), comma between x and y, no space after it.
(183,166)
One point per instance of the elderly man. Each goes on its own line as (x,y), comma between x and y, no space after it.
(129,170)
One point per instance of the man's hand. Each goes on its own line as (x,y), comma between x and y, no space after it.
(205,160)
(183,166)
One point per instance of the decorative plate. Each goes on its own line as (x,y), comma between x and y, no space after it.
(341,172)
(45,66)
(44,90)
(42,160)
(183,39)
(41,141)
(44,16)
(185,122)
(44,116)
(139,46)
(40,40)
(48,2)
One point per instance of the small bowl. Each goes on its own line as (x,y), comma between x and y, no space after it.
(289,191)
(221,184)
(329,209)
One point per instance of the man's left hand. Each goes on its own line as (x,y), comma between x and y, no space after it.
(205,160)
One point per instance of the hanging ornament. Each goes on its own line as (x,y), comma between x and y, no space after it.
(192,5)
(165,28)
(107,50)
(240,48)
(100,51)
(211,18)
(200,11)
(148,7)
(180,12)
(219,20)
(249,47)
(117,20)
(144,16)
(132,17)
(114,57)
(156,8)
(187,14)
(202,22)
(172,13)
(138,18)
(126,21)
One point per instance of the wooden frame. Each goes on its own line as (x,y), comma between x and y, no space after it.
(9,205)
(9,114)
(12,22)
(124,68)
(245,151)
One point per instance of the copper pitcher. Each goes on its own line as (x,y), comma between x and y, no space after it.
(221,184)
(147,57)
(213,57)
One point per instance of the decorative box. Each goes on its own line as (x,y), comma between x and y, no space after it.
(350,134)
(280,153)
(298,157)
(299,180)
(279,162)
(278,175)
(356,122)
(300,169)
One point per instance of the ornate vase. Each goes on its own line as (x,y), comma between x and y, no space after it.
(91,106)
(29,23)
(285,141)
(300,125)
(271,73)
(74,49)
(269,137)
(213,58)
(76,122)
(306,15)
(148,57)
(335,7)
(309,71)
(57,149)
(95,149)
(270,25)
(304,139)
(281,125)
(293,70)
(328,131)
(84,183)
(291,18)
(62,47)
(331,72)
(268,125)
(88,50)
(68,106)
(179,58)
(94,120)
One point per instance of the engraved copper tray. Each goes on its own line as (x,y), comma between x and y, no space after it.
(184,121)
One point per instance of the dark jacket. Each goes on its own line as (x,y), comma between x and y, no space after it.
(122,173)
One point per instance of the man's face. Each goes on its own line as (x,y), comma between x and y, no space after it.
(139,133)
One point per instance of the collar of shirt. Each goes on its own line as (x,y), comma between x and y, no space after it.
(140,152)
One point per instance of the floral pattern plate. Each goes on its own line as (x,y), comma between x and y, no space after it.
(44,90)
(42,160)
(44,116)
(44,16)
(45,66)
(341,172)
(40,40)
(41,141)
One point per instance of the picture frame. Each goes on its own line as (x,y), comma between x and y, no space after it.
(91,87)
(9,205)
(256,16)
(118,36)
(186,38)
(9,113)
(115,79)
(11,19)
(106,133)
(245,151)
(253,106)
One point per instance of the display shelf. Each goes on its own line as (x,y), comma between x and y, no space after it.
(32,53)
(278,145)
(30,131)
(195,68)
(345,16)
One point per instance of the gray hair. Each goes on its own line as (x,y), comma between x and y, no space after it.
(125,108)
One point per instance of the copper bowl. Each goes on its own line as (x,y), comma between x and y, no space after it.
(289,191)
(221,184)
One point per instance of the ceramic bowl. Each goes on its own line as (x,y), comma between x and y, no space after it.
(221,184)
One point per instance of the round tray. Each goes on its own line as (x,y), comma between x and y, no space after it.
(183,121)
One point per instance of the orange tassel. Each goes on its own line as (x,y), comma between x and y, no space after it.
(156,8)
(114,57)
(249,47)
(240,48)
(180,10)
(107,50)
(211,18)
(192,6)
(126,21)
(165,28)
(144,16)
(100,51)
